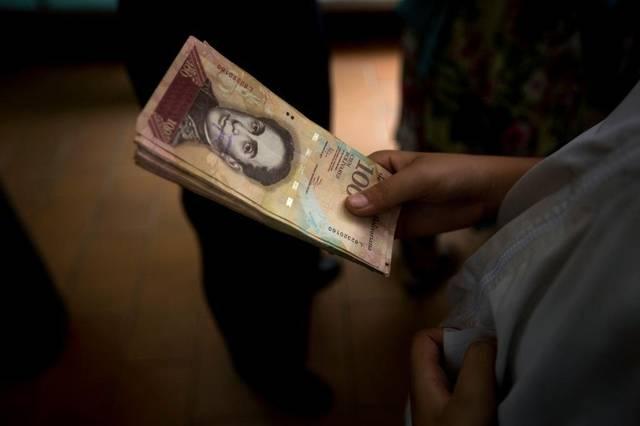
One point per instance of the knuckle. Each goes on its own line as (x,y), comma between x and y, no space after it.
(378,155)
(378,194)
(422,336)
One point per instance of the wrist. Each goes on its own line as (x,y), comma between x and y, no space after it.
(503,173)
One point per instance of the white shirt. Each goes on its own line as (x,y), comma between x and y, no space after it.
(559,284)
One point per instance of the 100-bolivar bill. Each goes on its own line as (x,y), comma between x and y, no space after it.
(214,129)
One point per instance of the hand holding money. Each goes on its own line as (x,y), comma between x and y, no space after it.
(215,130)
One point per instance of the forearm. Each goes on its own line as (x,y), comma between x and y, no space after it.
(501,173)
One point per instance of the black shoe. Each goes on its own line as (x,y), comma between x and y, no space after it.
(301,394)
(328,270)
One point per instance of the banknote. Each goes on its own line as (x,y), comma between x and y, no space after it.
(214,129)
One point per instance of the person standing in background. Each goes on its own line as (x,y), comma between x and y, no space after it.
(262,312)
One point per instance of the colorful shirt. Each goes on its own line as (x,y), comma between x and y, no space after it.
(513,77)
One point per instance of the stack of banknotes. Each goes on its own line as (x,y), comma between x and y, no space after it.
(215,130)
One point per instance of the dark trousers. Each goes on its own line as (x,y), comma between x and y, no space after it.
(259,283)
(33,319)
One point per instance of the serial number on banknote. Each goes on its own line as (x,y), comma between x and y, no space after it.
(346,236)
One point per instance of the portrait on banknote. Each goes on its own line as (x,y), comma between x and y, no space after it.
(258,147)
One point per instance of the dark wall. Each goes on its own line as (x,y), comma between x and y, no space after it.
(30,38)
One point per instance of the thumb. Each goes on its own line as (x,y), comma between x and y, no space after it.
(473,400)
(386,194)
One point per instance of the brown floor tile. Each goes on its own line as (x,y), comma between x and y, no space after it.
(169,214)
(81,387)
(108,272)
(128,204)
(220,396)
(59,229)
(170,299)
(329,344)
(363,284)
(164,334)
(153,393)
(381,334)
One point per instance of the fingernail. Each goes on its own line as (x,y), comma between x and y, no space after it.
(358,200)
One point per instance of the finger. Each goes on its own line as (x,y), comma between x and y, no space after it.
(429,383)
(473,401)
(391,192)
(393,160)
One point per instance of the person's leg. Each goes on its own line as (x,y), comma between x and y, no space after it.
(33,319)
(259,283)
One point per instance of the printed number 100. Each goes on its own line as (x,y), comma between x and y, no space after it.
(359,178)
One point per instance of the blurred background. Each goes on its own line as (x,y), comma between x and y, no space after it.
(123,335)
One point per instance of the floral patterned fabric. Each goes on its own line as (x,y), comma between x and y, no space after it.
(513,77)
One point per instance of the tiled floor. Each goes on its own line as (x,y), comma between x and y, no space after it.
(142,347)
